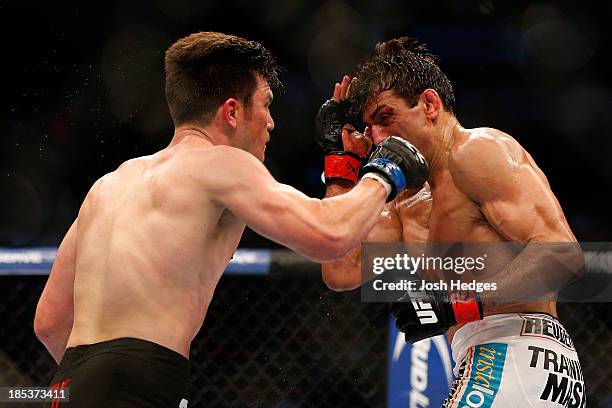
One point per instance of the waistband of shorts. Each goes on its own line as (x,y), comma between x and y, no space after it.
(130,347)
(502,326)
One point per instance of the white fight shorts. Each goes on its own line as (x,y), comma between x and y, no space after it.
(515,360)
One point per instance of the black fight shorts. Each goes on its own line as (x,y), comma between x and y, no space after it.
(124,372)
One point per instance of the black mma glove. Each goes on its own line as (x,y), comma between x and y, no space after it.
(339,164)
(399,163)
(428,313)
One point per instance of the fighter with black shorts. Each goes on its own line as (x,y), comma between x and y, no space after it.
(123,372)
(135,273)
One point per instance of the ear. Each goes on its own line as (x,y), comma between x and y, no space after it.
(432,103)
(229,111)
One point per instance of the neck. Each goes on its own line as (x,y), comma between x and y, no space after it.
(190,131)
(440,149)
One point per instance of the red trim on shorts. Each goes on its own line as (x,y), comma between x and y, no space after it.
(59,386)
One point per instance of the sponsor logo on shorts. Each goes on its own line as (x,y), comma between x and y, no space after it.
(547,328)
(565,384)
(485,375)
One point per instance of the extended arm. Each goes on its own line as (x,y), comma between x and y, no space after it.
(345,273)
(55,310)
(321,230)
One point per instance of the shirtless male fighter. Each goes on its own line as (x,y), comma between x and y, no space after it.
(136,271)
(482,187)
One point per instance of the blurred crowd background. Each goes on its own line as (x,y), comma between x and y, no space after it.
(82,90)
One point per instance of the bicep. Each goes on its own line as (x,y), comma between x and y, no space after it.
(525,209)
(274,210)
(511,191)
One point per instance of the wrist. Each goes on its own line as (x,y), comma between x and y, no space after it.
(341,166)
(388,187)
(466,306)
(390,171)
(337,186)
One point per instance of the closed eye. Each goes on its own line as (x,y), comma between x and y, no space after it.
(383,118)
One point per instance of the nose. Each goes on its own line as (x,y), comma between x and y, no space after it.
(377,134)
(270,124)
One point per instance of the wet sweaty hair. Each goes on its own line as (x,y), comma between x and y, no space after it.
(405,66)
(205,69)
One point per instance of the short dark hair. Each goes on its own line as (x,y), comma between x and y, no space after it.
(405,66)
(204,69)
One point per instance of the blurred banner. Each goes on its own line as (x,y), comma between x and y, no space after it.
(38,261)
(420,374)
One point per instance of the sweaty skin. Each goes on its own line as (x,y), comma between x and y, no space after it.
(483,187)
(153,237)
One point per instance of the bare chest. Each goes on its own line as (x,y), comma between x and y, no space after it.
(454,217)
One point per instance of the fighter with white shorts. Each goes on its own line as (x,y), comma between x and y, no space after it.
(512,357)
(483,187)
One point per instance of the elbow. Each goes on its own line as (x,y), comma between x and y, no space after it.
(338,282)
(568,260)
(571,255)
(42,328)
(578,261)
(46,327)
(340,285)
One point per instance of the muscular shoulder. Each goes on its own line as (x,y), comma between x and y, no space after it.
(220,156)
(126,170)
(220,167)
(225,161)
(485,160)
(483,143)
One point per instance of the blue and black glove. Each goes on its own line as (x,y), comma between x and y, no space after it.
(399,163)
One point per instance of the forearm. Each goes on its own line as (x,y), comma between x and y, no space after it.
(344,273)
(537,273)
(55,309)
(55,341)
(354,213)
